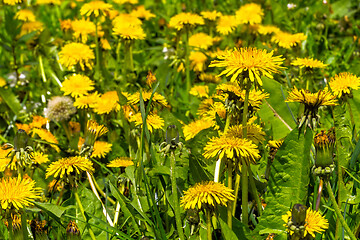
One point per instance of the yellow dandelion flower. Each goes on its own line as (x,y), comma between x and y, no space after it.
(211,15)
(24,127)
(74,127)
(288,40)
(77,85)
(95,8)
(87,101)
(101,149)
(108,102)
(312,100)
(226,24)
(200,91)
(129,31)
(275,143)
(54,2)
(25,15)
(126,19)
(254,133)
(120,162)
(183,19)
(127,1)
(342,83)
(2,82)
(52,187)
(4,160)
(46,136)
(38,121)
(12,2)
(250,13)
(29,27)
(129,111)
(308,63)
(17,192)
(267,29)
(95,129)
(157,98)
(205,106)
(153,121)
(192,129)
(206,194)
(76,53)
(250,61)
(105,44)
(142,13)
(314,222)
(69,165)
(210,78)
(232,147)
(200,40)
(66,25)
(150,78)
(198,60)
(39,158)
(217,108)
(82,28)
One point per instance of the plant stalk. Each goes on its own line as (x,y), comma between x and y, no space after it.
(175,197)
(338,212)
(208,224)
(230,206)
(187,61)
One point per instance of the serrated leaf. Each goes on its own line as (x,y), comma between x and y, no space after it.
(288,182)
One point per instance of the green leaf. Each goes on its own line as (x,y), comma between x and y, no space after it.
(226,231)
(53,210)
(11,100)
(288,182)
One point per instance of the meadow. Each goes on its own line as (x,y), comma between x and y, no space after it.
(169,119)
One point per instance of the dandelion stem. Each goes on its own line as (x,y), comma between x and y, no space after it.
(236,193)
(318,199)
(117,211)
(175,197)
(83,212)
(230,179)
(118,47)
(338,212)
(10,227)
(97,51)
(42,71)
(187,61)
(102,192)
(254,191)
(208,224)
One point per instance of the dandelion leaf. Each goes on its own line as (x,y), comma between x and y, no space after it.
(288,182)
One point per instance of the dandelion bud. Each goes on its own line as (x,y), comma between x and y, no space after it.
(324,145)
(60,108)
(21,139)
(192,215)
(72,231)
(298,215)
(172,135)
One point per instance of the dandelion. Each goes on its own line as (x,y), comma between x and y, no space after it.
(76,53)
(232,147)
(94,131)
(249,61)
(68,166)
(200,40)
(108,102)
(200,91)
(130,32)
(105,44)
(95,8)
(46,136)
(127,1)
(254,132)
(342,83)
(192,129)
(17,192)
(226,24)
(77,85)
(29,27)
(308,63)
(288,40)
(206,194)
(120,162)
(210,78)
(211,16)
(198,60)
(126,19)
(267,29)
(66,25)
(182,20)
(53,2)
(101,149)
(87,101)
(157,98)
(25,15)
(82,28)
(38,121)
(24,127)
(39,158)
(314,222)
(153,121)
(12,2)
(60,108)
(150,78)
(142,13)
(250,13)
